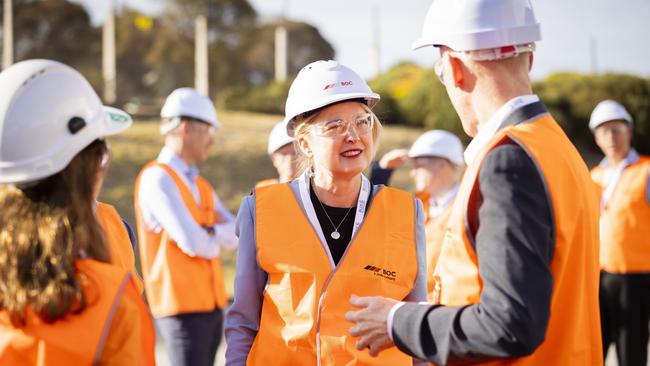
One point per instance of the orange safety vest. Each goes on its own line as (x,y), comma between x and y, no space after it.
(174,282)
(435,233)
(266,182)
(573,334)
(302,320)
(119,243)
(625,221)
(77,339)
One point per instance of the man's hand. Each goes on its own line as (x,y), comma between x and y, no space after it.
(393,159)
(370,322)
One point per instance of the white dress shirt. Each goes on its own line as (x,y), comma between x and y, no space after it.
(494,124)
(162,207)
(438,206)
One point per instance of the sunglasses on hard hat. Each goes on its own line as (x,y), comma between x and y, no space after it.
(362,123)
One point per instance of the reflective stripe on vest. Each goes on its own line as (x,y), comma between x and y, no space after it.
(77,339)
(573,332)
(625,221)
(174,282)
(302,320)
(119,243)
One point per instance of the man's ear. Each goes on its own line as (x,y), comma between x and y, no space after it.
(457,70)
(531,57)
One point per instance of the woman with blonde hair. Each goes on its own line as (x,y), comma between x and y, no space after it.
(61,302)
(308,246)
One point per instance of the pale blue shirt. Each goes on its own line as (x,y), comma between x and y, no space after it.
(162,207)
(610,174)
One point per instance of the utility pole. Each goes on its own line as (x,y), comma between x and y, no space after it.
(108,56)
(201,54)
(281,53)
(281,46)
(8,39)
(375,48)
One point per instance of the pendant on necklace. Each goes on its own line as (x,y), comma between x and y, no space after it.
(335,235)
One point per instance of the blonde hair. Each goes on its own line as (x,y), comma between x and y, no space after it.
(303,129)
(44,229)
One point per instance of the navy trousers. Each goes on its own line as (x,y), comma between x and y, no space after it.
(624,314)
(193,338)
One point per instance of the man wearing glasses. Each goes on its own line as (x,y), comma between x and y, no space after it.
(624,231)
(518,271)
(182,227)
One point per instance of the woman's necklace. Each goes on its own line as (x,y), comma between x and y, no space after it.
(334,234)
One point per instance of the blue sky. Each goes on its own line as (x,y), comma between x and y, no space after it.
(619,31)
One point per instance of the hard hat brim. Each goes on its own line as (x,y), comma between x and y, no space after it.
(116,121)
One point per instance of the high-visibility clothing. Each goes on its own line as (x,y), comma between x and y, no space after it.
(115,327)
(303,311)
(174,282)
(573,332)
(119,243)
(435,233)
(625,221)
(424,197)
(266,182)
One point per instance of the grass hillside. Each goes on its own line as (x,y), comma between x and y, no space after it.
(238,159)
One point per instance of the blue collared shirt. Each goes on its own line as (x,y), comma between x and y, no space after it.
(162,207)
(610,171)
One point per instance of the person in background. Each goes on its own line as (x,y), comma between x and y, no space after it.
(624,182)
(182,228)
(305,246)
(437,158)
(61,301)
(517,276)
(283,155)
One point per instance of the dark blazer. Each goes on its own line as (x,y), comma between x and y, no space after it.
(514,245)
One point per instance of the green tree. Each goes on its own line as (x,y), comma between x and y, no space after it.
(57,30)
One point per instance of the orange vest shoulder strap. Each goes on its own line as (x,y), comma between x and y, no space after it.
(266,182)
(118,241)
(205,193)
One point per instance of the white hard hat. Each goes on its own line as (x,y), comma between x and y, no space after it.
(322,83)
(438,143)
(278,137)
(48,114)
(469,25)
(187,102)
(608,110)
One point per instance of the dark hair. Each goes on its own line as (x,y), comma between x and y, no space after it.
(44,229)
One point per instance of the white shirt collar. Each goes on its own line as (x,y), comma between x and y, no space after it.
(496,123)
(437,207)
(169,157)
(631,158)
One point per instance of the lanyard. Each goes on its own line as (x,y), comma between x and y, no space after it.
(362,201)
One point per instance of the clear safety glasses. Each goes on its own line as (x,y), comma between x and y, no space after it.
(362,124)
